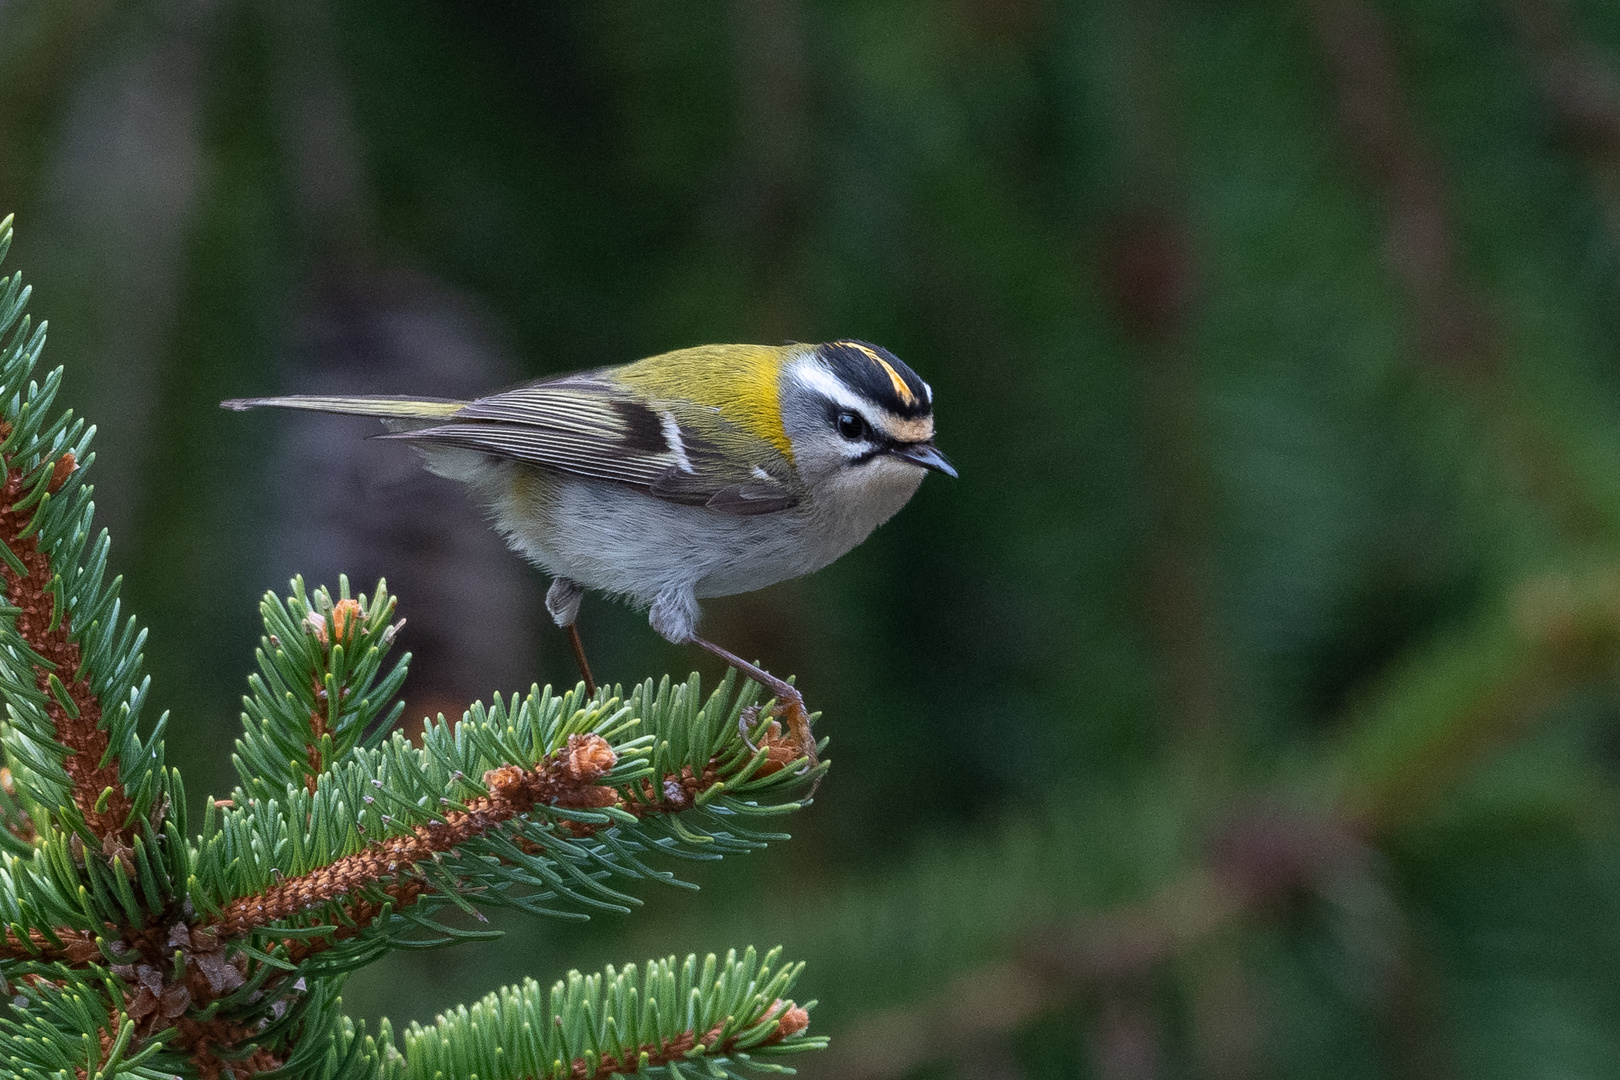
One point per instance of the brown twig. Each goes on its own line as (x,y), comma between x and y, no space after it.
(207,1040)
(566,778)
(1420,243)
(87,743)
(1151,271)
(312,750)
(77,948)
(1126,1039)
(1581,88)
(1454,333)
(346,619)
(791,1021)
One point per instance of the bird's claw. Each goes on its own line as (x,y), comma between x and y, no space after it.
(797,720)
(790,710)
(745,720)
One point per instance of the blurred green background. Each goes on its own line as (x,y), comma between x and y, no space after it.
(1248,707)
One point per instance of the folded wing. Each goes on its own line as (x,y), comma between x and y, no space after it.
(589,426)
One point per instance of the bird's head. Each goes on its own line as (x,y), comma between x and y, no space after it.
(858,418)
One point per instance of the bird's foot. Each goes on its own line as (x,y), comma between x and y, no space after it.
(790,708)
(788,712)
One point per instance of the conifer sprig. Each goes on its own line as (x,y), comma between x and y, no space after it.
(62,1030)
(317,691)
(687,1018)
(128,950)
(531,803)
(69,666)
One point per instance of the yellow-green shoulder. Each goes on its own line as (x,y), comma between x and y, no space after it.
(741,381)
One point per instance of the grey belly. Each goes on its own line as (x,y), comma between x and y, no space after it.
(618,540)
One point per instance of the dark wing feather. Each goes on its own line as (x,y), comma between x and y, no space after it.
(589,426)
(755,497)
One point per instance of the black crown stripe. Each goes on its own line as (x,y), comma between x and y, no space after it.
(879,376)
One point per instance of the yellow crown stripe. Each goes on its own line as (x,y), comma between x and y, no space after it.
(900,386)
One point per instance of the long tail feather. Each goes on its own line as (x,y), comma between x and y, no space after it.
(389,408)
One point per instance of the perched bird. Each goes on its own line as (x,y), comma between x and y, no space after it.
(701,472)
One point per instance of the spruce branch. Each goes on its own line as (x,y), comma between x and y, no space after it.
(1043,968)
(128,951)
(319,688)
(570,792)
(68,671)
(1440,713)
(63,1030)
(1450,705)
(74,711)
(530,803)
(690,1018)
(17,832)
(565,780)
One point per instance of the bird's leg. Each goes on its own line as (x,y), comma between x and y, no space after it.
(562,600)
(674,614)
(579,658)
(790,703)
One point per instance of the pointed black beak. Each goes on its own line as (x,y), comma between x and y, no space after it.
(924,454)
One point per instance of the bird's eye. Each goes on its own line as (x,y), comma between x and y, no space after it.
(850,425)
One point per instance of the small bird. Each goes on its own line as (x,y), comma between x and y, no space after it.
(701,472)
